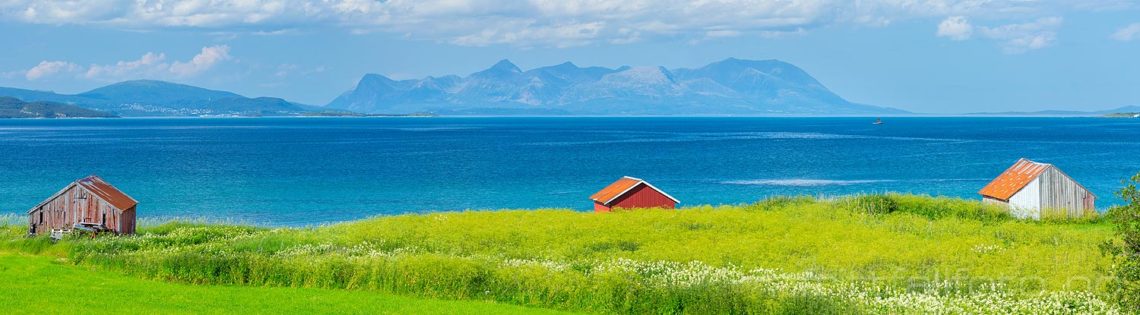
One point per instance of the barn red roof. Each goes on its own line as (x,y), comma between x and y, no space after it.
(622,186)
(108,193)
(1014,179)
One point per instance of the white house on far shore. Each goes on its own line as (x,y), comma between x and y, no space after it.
(1030,188)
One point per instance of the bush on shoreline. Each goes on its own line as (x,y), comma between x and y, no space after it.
(1125,252)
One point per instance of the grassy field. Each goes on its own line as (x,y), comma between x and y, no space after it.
(42,284)
(869,254)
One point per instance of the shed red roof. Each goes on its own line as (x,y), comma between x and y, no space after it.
(622,186)
(1014,179)
(108,193)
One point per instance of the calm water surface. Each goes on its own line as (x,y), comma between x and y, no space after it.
(293,171)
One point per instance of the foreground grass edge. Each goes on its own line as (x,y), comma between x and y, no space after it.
(464,256)
(39,284)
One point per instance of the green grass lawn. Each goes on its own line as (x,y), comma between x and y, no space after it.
(41,284)
(896,254)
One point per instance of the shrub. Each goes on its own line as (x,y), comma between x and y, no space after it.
(873,204)
(943,207)
(781,202)
(1126,251)
(1062,216)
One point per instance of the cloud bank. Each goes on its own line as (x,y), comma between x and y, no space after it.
(548,23)
(48,68)
(956,28)
(1128,33)
(150,65)
(1019,38)
(1012,38)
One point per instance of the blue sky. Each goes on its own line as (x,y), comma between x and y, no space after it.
(925,56)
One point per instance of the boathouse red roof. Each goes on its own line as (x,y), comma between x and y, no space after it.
(621,187)
(1014,179)
(108,193)
(99,188)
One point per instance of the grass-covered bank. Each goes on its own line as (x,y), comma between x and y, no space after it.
(39,285)
(893,254)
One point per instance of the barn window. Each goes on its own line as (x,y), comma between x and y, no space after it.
(41,217)
(104,219)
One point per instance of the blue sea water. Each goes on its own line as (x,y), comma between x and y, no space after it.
(299,171)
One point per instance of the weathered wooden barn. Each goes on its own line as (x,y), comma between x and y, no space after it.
(89,201)
(1031,189)
(629,192)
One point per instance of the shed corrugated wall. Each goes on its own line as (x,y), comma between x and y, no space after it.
(1026,203)
(1062,196)
(643,197)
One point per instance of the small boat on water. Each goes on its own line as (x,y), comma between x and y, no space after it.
(878,121)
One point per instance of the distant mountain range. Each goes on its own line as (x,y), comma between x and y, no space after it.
(159,98)
(14,108)
(728,87)
(1065,113)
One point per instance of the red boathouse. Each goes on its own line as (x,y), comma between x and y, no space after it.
(629,192)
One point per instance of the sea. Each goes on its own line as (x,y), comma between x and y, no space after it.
(311,171)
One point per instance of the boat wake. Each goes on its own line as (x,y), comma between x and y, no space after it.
(802,182)
(807,182)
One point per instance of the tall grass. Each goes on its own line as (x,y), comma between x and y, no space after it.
(146,222)
(876,253)
(10,219)
(926,206)
(12,224)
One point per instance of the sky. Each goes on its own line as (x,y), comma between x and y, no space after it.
(936,56)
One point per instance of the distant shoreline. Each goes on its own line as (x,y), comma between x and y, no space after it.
(1110,115)
(573,116)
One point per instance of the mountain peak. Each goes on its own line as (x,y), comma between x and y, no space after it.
(146,84)
(505,66)
(644,75)
(749,62)
(374,78)
(728,87)
(155,88)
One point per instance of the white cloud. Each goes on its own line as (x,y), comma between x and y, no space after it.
(551,23)
(1019,38)
(150,65)
(48,68)
(203,61)
(154,65)
(722,33)
(956,28)
(568,35)
(1128,33)
(284,70)
(1013,38)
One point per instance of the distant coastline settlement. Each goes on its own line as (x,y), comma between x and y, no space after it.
(730,87)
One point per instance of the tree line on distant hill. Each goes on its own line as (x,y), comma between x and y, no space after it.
(14,108)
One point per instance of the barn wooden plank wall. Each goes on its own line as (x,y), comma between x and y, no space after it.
(76,204)
(1061,195)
